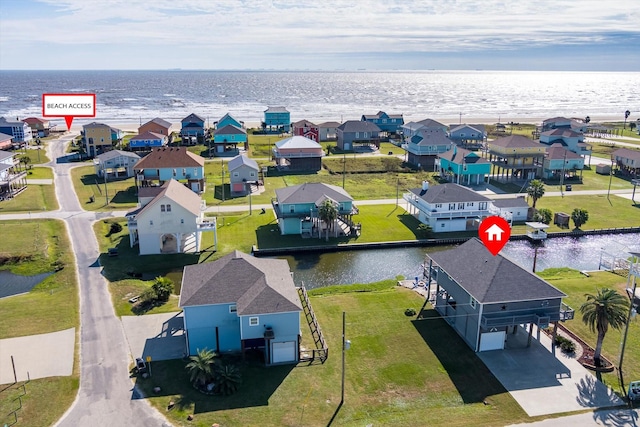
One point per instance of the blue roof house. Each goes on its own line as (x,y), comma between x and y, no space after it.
(463,166)
(192,130)
(468,136)
(424,147)
(391,123)
(240,302)
(277,119)
(147,141)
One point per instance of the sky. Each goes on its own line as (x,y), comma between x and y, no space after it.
(593,35)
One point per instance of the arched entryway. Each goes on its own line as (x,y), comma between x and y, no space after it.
(169,244)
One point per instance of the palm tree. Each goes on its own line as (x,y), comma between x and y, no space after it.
(606,308)
(579,217)
(227,379)
(328,213)
(535,190)
(163,286)
(626,116)
(201,367)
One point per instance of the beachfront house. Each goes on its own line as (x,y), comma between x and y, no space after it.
(627,162)
(516,157)
(227,138)
(298,153)
(560,161)
(485,297)
(328,131)
(423,148)
(564,123)
(147,141)
(19,130)
(115,164)
(277,119)
(158,126)
(357,134)
(409,130)
(167,163)
(574,141)
(296,209)
(39,127)
(243,174)
(306,129)
(389,123)
(463,166)
(240,302)
(6,141)
(228,119)
(168,220)
(467,136)
(98,138)
(13,178)
(193,130)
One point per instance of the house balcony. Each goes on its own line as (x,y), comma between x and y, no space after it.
(278,155)
(132,224)
(13,177)
(566,312)
(313,213)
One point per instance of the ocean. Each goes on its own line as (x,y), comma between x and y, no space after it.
(448,96)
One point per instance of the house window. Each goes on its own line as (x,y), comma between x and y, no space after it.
(469,204)
(452,206)
(236,174)
(472,302)
(254,321)
(461,206)
(184,172)
(175,173)
(168,208)
(364,134)
(181,220)
(233,308)
(292,209)
(162,208)
(357,134)
(151,222)
(438,205)
(462,135)
(195,172)
(252,174)
(483,205)
(384,120)
(442,225)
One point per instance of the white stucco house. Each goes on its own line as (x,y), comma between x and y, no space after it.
(168,219)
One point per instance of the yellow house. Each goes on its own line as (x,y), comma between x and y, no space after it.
(99,138)
(515,157)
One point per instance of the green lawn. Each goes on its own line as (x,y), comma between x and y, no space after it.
(399,372)
(35,198)
(603,213)
(590,181)
(35,156)
(40,173)
(120,193)
(51,306)
(575,285)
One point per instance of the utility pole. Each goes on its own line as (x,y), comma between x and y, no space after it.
(610,178)
(222,163)
(564,161)
(106,196)
(344,167)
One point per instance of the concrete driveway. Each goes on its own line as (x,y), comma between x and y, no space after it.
(43,355)
(543,382)
(160,336)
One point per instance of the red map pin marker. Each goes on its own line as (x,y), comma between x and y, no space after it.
(494,231)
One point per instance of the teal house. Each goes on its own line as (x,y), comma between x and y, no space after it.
(391,123)
(240,302)
(559,161)
(227,138)
(296,209)
(277,119)
(463,166)
(228,119)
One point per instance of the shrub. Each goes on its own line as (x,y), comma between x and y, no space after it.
(227,379)
(163,288)
(543,215)
(565,344)
(410,312)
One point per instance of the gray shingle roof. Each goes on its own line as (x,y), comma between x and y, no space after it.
(627,153)
(191,118)
(276,110)
(449,193)
(558,152)
(256,285)
(304,123)
(431,136)
(460,155)
(116,153)
(515,141)
(160,122)
(230,130)
(148,135)
(311,192)
(358,126)
(492,279)
(431,123)
(5,155)
(240,160)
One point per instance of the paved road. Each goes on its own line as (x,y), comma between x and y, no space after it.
(106,396)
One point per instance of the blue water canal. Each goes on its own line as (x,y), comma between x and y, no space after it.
(365,266)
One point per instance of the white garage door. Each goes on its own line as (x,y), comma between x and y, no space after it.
(283,352)
(492,341)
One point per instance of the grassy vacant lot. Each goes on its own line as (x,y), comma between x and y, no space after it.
(35,198)
(121,193)
(51,306)
(399,372)
(603,213)
(591,181)
(40,173)
(575,285)
(35,156)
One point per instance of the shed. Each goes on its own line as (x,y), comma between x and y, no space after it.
(561,219)
(603,169)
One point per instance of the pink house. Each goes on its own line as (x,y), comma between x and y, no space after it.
(307,129)
(298,153)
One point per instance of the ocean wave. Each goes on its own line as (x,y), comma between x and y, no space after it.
(4,98)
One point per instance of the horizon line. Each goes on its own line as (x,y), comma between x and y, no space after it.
(324,70)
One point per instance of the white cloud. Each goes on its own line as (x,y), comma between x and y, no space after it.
(235,28)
